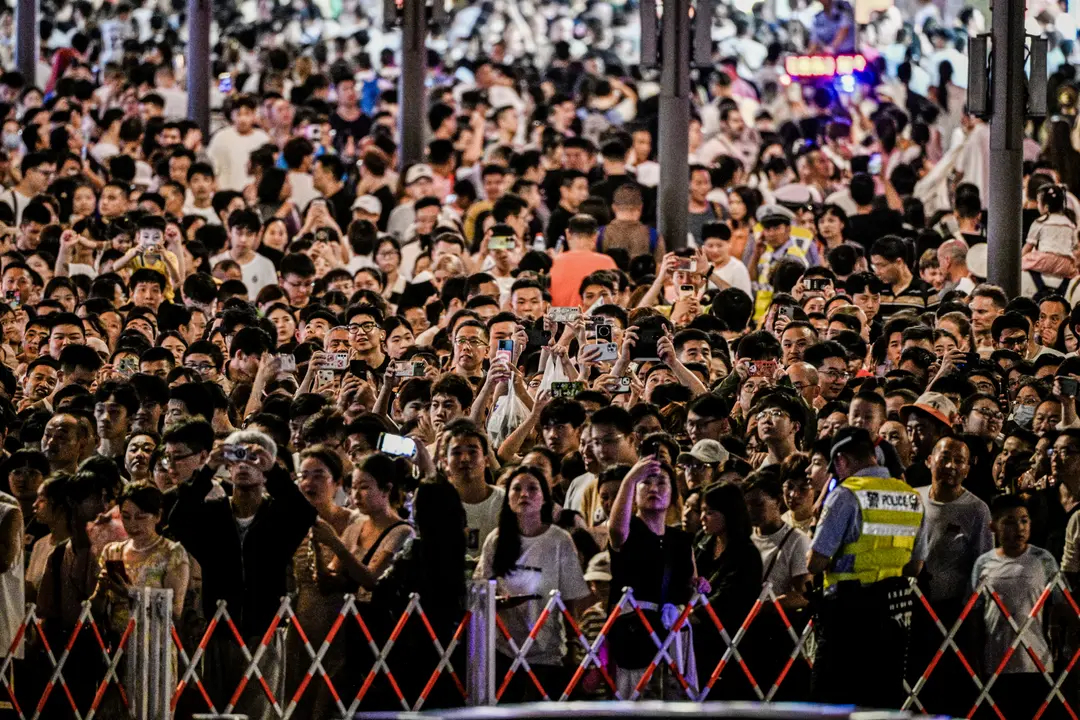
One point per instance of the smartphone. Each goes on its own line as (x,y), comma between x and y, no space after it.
(564,314)
(115,569)
(686,292)
(609,351)
(336,361)
(501,243)
(405,369)
(817,284)
(645,347)
(762,368)
(224,83)
(325,377)
(623,386)
(873,167)
(1069,386)
(397,445)
(568,390)
(786,311)
(505,351)
(128,366)
(684,264)
(538,336)
(13,299)
(288,363)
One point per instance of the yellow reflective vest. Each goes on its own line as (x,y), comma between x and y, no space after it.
(891,515)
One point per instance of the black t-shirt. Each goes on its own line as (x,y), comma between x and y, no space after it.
(560,218)
(344,129)
(386,197)
(658,568)
(341,207)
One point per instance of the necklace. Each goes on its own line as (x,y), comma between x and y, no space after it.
(149,547)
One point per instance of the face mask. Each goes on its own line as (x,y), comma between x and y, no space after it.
(12,141)
(1023,415)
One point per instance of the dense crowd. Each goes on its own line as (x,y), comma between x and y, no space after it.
(267,361)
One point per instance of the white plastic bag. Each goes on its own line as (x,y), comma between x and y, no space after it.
(507,416)
(553,373)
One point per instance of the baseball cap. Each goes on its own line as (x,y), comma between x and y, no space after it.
(418,172)
(369,204)
(599,568)
(710,452)
(934,405)
(774,213)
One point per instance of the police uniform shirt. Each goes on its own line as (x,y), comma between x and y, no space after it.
(841,524)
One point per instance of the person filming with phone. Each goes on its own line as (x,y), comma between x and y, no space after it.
(245,545)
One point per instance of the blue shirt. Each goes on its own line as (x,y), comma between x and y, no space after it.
(828,23)
(841,524)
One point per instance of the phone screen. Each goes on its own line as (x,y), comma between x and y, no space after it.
(397,445)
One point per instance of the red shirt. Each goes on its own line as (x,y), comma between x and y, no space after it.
(569,269)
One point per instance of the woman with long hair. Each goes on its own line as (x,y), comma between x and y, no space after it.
(274,191)
(145,559)
(365,548)
(656,562)
(743,204)
(51,508)
(732,565)
(831,224)
(528,557)
(432,565)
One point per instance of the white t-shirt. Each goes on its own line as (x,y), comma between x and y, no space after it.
(17,201)
(735,274)
(229,152)
(303,189)
(547,562)
(481,519)
(257,273)
(958,532)
(1019,582)
(207,213)
(791,560)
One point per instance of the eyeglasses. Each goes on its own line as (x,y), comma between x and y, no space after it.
(365,328)
(991,413)
(835,374)
(1015,341)
(169,461)
(771,414)
(475,342)
(200,367)
(1063,453)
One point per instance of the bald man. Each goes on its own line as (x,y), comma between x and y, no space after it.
(952,257)
(804,377)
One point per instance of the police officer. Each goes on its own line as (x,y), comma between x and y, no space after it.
(871,534)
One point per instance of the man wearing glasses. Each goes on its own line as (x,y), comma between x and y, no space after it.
(780,419)
(297,276)
(38,170)
(366,337)
(1012,331)
(205,358)
(470,349)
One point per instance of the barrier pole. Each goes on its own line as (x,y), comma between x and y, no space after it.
(481,666)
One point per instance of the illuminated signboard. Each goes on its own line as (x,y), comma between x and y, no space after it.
(824,65)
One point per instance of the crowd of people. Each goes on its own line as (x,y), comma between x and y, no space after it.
(265,361)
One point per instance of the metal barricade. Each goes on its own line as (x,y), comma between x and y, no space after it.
(143,689)
(286,618)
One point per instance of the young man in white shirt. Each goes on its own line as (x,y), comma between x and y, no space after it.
(244,238)
(230,148)
(201,186)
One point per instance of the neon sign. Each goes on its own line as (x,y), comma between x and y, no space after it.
(824,65)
